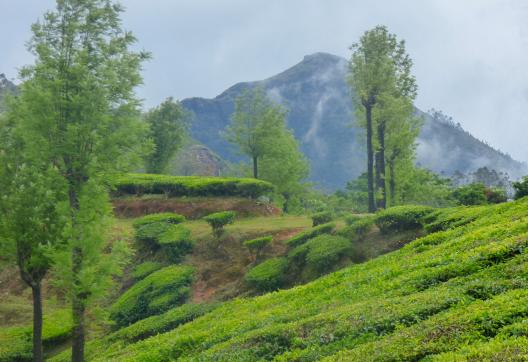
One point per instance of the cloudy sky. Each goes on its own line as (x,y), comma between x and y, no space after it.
(471,56)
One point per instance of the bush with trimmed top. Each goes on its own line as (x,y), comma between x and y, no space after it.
(322,217)
(155,294)
(268,275)
(165,217)
(304,236)
(402,218)
(218,220)
(258,244)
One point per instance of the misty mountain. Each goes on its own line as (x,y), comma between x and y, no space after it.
(321,115)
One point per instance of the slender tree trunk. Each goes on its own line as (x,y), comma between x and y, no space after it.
(255,167)
(78,306)
(38,354)
(380,166)
(392,182)
(370,161)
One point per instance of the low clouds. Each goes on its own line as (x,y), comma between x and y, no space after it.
(470,56)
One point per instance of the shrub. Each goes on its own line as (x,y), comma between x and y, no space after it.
(149,234)
(324,251)
(321,252)
(268,275)
(401,218)
(521,188)
(166,217)
(144,269)
(138,184)
(258,244)
(176,242)
(357,226)
(161,323)
(495,195)
(303,237)
(154,294)
(218,220)
(322,217)
(472,194)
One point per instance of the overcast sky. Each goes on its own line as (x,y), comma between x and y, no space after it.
(470,56)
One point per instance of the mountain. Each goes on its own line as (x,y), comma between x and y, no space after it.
(321,115)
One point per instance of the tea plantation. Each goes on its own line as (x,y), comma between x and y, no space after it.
(458,293)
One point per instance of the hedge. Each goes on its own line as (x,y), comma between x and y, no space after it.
(321,252)
(267,276)
(166,217)
(401,218)
(144,269)
(152,295)
(139,184)
(322,217)
(357,226)
(304,236)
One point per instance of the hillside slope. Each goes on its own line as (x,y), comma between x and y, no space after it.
(321,113)
(459,293)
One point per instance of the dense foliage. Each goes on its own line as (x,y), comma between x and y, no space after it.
(139,184)
(400,218)
(322,217)
(521,188)
(168,124)
(304,236)
(269,275)
(450,295)
(321,253)
(154,294)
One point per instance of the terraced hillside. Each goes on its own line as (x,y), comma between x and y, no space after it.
(458,293)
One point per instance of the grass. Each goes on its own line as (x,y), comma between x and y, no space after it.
(455,294)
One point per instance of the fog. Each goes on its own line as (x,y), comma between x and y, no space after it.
(469,56)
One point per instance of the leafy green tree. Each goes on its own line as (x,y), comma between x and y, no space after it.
(168,127)
(379,66)
(285,166)
(521,188)
(255,123)
(77,112)
(32,207)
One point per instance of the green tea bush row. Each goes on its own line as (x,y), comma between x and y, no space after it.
(257,245)
(401,218)
(144,269)
(166,217)
(322,217)
(357,227)
(304,236)
(269,275)
(321,252)
(139,184)
(155,294)
(16,342)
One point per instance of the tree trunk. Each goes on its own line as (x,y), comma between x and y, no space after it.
(392,182)
(78,299)
(370,161)
(38,354)
(255,167)
(380,166)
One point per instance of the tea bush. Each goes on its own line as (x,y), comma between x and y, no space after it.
(258,244)
(139,184)
(269,275)
(322,217)
(401,218)
(218,220)
(154,294)
(166,217)
(321,252)
(144,269)
(304,236)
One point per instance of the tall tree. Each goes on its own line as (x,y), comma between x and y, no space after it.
(379,65)
(255,123)
(168,128)
(81,117)
(285,166)
(31,200)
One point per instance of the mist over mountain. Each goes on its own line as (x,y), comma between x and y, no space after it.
(321,115)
